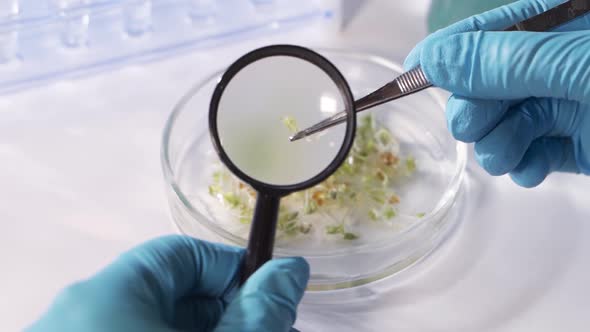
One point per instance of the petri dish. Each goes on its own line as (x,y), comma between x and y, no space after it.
(378,249)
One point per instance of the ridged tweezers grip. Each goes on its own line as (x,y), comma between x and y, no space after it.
(412,80)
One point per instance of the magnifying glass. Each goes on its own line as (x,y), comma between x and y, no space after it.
(259,102)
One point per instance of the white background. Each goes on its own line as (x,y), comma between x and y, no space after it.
(80,181)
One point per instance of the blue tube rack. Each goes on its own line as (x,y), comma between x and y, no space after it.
(43,40)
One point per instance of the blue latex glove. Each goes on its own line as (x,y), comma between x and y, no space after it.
(522,97)
(178,283)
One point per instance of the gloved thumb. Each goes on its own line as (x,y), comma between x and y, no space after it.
(269,298)
(510,65)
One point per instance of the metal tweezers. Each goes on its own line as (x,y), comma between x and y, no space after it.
(414,80)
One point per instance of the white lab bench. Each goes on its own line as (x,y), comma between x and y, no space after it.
(80,182)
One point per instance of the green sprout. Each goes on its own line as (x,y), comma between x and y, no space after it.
(286,217)
(373,215)
(214,189)
(231,199)
(350,236)
(290,123)
(288,222)
(384,136)
(310,207)
(411,164)
(338,229)
(217,176)
(389,213)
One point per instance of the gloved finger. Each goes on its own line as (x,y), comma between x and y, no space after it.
(269,298)
(494,20)
(503,148)
(510,65)
(197,313)
(545,155)
(470,119)
(172,267)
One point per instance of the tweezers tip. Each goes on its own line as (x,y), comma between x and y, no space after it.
(297,136)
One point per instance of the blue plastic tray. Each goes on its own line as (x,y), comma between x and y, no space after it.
(42,40)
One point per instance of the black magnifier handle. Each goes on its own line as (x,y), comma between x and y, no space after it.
(262,234)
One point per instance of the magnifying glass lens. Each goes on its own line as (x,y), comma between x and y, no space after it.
(265,103)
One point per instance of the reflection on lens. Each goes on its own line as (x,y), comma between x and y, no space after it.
(252,127)
(328,105)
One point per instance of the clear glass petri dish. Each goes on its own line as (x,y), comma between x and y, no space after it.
(381,250)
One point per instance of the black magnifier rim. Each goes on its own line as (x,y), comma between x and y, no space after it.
(315,59)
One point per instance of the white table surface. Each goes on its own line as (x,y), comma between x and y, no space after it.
(80,181)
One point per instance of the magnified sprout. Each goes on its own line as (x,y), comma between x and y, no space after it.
(264,104)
